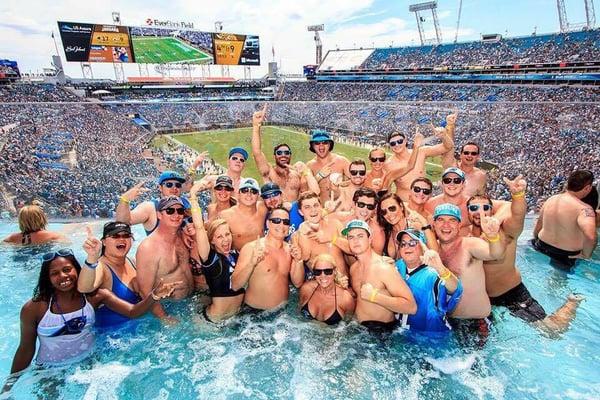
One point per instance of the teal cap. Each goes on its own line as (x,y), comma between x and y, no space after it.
(447,209)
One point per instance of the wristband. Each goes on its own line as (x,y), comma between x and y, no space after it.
(426,227)
(446,275)
(373,294)
(192,171)
(154,297)
(91,266)
(334,239)
(518,195)
(124,199)
(493,239)
(195,209)
(305,172)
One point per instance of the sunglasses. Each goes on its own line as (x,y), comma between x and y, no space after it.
(355,172)
(470,153)
(417,189)
(169,185)
(360,204)
(283,152)
(410,243)
(396,142)
(326,271)
(457,181)
(58,253)
(220,188)
(268,196)
(248,190)
(121,236)
(322,142)
(391,209)
(171,211)
(277,221)
(240,159)
(475,207)
(378,159)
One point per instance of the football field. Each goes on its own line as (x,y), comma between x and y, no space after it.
(159,50)
(218,143)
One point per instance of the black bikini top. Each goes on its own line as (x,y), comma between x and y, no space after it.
(333,319)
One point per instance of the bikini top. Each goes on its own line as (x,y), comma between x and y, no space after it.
(333,319)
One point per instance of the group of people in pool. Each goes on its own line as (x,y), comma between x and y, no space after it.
(334,229)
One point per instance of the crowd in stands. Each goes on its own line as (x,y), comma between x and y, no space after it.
(23,93)
(201,94)
(561,47)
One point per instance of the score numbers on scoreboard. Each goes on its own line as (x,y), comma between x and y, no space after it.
(110,39)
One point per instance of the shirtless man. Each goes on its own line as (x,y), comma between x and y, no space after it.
(453,185)
(475,178)
(502,278)
(566,227)
(325,162)
(374,179)
(421,190)
(164,255)
(235,166)
(223,190)
(382,291)
(266,265)
(398,144)
(358,172)
(464,256)
(287,178)
(247,217)
(315,227)
(170,183)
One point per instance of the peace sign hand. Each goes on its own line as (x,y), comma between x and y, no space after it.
(135,192)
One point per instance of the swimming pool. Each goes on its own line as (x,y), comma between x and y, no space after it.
(281,356)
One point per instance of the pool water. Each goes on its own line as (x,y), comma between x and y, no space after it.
(280,355)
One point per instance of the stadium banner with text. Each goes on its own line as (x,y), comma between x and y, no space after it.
(84,42)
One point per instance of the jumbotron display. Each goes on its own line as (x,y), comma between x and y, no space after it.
(83,42)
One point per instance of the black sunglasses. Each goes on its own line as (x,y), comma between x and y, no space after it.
(384,211)
(475,207)
(277,221)
(417,189)
(360,204)
(457,181)
(121,236)
(396,142)
(169,185)
(283,152)
(378,159)
(221,188)
(171,210)
(240,159)
(354,172)
(246,190)
(326,271)
(471,153)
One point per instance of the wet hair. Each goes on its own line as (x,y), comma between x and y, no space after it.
(377,149)
(387,227)
(470,144)
(392,134)
(358,162)
(44,289)
(212,227)
(307,196)
(592,198)
(364,192)
(32,219)
(479,196)
(280,145)
(579,179)
(324,257)
(422,179)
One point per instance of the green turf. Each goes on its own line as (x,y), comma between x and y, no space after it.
(159,50)
(218,143)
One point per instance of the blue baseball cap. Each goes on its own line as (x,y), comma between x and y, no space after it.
(413,233)
(170,175)
(356,224)
(447,209)
(319,135)
(454,170)
(269,190)
(238,150)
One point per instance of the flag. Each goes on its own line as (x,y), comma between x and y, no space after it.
(273,51)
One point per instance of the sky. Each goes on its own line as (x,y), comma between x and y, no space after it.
(26,25)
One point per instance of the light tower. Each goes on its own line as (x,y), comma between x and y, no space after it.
(429,5)
(118,67)
(590,16)
(318,44)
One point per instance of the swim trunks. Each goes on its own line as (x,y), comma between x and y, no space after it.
(519,302)
(205,315)
(560,258)
(379,326)
(472,331)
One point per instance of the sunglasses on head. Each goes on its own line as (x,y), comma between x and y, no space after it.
(247,190)
(409,243)
(417,189)
(121,236)
(172,210)
(470,153)
(378,159)
(236,158)
(58,253)
(220,188)
(355,172)
(475,207)
(391,209)
(396,142)
(326,271)
(283,152)
(457,181)
(277,221)
(360,204)
(169,185)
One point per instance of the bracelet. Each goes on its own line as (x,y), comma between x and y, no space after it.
(334,239)
(305,172)
(195,209)
(91,266)
(426,227)
(493,239)
(518,195)
(373,294)
(154,297)
(124,199)
(191,171)
(446,275)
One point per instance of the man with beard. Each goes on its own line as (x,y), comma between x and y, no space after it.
(267,265)
(283,174)
(163,255)
(325,162)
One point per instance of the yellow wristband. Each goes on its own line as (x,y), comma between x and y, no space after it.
(446,275)
(305,172)
(518,195)
(334,239)
(195,209)
(124,199)
(373,294)
(494,239)
(192,171)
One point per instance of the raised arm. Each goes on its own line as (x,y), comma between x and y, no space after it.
(493,248)
(297,267)
(398,173)
(201,236)
(513,225)
(90,277)
(439,149)
(259,157)
(139,214)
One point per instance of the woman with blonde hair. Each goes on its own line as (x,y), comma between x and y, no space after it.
(33,223)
